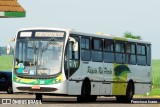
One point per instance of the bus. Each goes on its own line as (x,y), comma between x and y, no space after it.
(70,63)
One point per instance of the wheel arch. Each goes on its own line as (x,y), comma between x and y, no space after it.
(87,82)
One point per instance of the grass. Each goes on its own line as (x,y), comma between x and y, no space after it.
(154,91)
(6,65)
(155,78)
(6,62)
(155,73)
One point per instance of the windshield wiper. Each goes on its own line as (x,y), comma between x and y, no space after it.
(32,43)
(47,44)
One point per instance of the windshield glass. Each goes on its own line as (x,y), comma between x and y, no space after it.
(38,56)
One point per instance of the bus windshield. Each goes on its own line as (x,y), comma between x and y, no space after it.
(38,56)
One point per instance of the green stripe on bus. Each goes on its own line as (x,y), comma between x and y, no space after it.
(15,14)
(50,81)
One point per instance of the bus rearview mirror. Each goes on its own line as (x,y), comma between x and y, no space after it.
(75,46)
(8,49)
(11,40)
(75,43)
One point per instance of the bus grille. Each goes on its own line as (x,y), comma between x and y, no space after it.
(42,89)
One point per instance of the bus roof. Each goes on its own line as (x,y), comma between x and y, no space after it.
(109,36)
(44,28)
(72,31)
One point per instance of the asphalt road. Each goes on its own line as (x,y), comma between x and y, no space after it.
(60,101)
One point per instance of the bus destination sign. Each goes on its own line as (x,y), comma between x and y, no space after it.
(49,34)
(26,34)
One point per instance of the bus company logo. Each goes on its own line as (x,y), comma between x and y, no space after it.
(121,71)
(99,70)
(6,101)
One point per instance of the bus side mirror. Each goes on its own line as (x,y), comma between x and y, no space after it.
(75,43)
(75,48)
(11,40)
(9,46)
(8,49)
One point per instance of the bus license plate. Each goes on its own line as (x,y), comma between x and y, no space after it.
(35,87)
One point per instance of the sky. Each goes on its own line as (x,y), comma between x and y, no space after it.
(140,17)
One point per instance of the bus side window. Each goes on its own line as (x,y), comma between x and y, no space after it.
(148,55)
(108,51)
(97,48)
(141,54)
(120,52)
(130,53)
(85,49)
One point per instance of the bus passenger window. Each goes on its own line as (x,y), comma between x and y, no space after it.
(130,53)
(85,49)
(120,55)
(108,51)
(148,55)
(141,54)
(97,50)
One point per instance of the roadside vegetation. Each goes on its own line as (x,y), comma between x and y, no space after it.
(155,78)
(130,35)
(6,62)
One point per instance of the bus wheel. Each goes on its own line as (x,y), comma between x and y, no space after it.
(129,92)
(38,96)
(92,98)
(10,90)
(85,92)
(120,99)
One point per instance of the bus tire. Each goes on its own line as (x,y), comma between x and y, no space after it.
(93,98)
(129,94)
(39,96)
(120,99)
(10,90)
(85,92)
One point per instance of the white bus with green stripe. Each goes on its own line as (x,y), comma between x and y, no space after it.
(70,63)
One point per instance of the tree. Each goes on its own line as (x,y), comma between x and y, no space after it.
(130,35)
